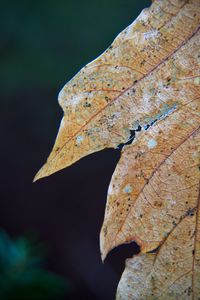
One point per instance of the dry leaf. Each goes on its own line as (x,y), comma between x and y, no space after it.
(156,182)
(173,272)
(164,215)
(118,91)
(148,81)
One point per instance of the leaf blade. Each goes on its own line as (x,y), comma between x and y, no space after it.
(172,272)
(92,100)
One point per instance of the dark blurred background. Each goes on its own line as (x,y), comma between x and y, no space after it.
(42,45)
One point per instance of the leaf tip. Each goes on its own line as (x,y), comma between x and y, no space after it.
(103,256)
(40,174)
(37,177)
(104,247)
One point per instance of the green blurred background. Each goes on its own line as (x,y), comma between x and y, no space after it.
(43,44)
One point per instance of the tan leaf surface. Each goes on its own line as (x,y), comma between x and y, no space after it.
(147,81)
(137,80)
(173,272)
(155,183)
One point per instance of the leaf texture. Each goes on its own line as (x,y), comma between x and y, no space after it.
(114,94)
(143,95)
(155,182)
(173,272)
